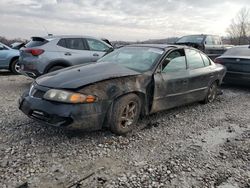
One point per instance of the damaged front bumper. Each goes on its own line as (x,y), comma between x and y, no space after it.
(70,116)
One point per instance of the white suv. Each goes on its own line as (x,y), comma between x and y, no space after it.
(46,54)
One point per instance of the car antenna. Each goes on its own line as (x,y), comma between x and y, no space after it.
(45,30)
(49,34)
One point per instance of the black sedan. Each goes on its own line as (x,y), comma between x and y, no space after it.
(237,62)
(131,81)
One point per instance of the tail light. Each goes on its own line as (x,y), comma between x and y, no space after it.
(34,51)
(218,61)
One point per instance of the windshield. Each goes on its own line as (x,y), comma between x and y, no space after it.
(191,38)
(136,58)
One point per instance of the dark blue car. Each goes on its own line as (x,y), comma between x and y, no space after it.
(237,62)
(9,58)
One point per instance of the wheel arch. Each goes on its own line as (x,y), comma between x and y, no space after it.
(12,60)
(56,63)
(140,94)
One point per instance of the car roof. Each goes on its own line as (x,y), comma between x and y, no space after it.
(241,46)
(164,47)
(199,35)
(68,36)
(52,37)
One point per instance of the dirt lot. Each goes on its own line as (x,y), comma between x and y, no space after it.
(191,146)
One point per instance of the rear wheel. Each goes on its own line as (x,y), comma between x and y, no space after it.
(15,66)
(55,68)
(124,114)
(211,93)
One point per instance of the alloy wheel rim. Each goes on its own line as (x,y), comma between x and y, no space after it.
(212,93)
(17,67)
(128,114)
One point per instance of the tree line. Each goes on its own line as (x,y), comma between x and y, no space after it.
(8,42)
(239,29)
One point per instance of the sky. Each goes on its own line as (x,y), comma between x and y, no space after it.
(127,20)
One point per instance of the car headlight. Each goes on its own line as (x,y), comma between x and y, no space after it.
(68,97)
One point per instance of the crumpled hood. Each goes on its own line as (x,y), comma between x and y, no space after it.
(81,75)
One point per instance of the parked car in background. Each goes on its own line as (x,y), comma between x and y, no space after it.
(210,44)
(9,58)
(131,81)
(46,54)
(237,62)
(17,45)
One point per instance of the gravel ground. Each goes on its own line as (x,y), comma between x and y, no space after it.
(191,146)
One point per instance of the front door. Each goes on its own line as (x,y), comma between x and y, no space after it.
(3,56)
(170,81)
(97,48)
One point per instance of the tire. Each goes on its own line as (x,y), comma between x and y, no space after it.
(55,68)
(15,67)
(124,114)
(211,93)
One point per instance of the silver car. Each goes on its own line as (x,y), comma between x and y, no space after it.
(46,54)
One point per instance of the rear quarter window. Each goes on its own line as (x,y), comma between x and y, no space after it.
(62,43)
(205,60)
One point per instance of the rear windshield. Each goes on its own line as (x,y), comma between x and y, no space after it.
(191,38)
(36,41)
(238,51)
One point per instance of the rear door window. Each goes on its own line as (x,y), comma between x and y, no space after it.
(209,40)
(216,40)
(95,45)
(35,42)
(194,59)
(75,43)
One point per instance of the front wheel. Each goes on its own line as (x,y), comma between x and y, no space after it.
(211,93)
(125,113)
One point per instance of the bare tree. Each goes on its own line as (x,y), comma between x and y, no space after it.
(239,29)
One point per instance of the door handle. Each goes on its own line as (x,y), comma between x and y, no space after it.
(67,53)
(95,54)
(184,82)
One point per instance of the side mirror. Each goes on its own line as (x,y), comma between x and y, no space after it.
(109,50)
(158,71)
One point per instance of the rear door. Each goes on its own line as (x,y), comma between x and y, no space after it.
(171,83)
(200,74)
(209,45)
(74,50)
